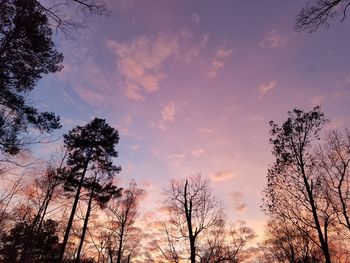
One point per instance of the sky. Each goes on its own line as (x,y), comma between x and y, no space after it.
(191,87)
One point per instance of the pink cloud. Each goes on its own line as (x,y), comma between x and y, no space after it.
(341,94)
(168,115)
(89,82)
(193,50)
(91,97)
(220,57)
(134,147)
(205,130)
(347,79)
(265,88)
(223,176)
(168,112)
(124,127)
(237,199)
(336,123)
(197,152)
(147,184)
(318,100)
(273,39)
(140,62)
(196,19)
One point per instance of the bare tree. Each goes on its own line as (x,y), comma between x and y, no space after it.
(44,189)
(227,243)
(319,13)
(334,166)
(39,195)
(286,243)
(62,14)
(295,189)
(167,241)
(192,211)
(124,236)
(11,188)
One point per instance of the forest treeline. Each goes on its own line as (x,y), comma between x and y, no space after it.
(71,210)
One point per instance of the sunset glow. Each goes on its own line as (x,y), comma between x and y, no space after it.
(191,87)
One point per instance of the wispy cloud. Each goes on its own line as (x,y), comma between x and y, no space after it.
(147,184)
(168,112)
(318,100)
(219,60)
(341,94)
(347,79)
(265,88)
(205,130)
(335,124)
(167,115)
(196,19)
(223,176)
(273,39)
(194,49)
(134,147)
(237,200)
(140,62)
(89,96)
(176,159)
(124,126)
(88,81)
(197,152)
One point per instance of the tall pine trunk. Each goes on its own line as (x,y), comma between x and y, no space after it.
(74,208)
(86,220)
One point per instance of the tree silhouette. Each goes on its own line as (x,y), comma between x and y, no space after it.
(123,236)
(27,53)
(294,191)
(101,189)
(90,150)
(40,195)
(285,242)
(45,243)
(334,168)
(192,210)
(319,13)
(56,11)
(226,243)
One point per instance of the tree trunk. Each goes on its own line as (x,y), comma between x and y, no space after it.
(71,217)
(86,220)
(119,253)
(188,211)
(36,226)
(110,254)
(340,194)
(193,250)
(321,237)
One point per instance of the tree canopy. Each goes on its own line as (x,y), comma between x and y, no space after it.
(27,52)
(319,13)
(90,152)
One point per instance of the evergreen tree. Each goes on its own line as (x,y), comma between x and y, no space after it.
(90,152)
(27,52)
(45,243)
